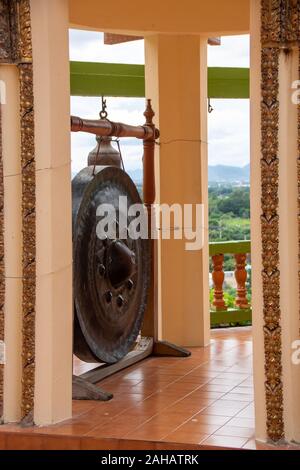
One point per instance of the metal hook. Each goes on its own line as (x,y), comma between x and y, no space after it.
(210,108)
(103,112)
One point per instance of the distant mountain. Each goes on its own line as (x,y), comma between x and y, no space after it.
(216,174)
(228,174)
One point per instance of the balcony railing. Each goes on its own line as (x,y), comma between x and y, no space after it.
(221,313)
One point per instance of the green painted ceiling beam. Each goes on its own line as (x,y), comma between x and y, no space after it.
(228,82)
(96,79)
(100,79)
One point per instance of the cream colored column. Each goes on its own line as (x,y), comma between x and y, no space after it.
(176,74)
(256,256)
(289,241)
(9,75)
(53,394)
(288,236)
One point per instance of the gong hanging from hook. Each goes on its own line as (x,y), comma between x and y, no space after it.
(104,153)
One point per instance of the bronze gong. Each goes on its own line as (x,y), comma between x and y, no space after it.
(111,275)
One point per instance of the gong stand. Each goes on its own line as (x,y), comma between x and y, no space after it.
(84,385)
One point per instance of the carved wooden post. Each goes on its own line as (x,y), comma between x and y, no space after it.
(151,316)
(241,278)
(218,280)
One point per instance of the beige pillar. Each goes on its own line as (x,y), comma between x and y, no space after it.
(53,373)
(288,235)
(289,241)
(9,75)
(176,71)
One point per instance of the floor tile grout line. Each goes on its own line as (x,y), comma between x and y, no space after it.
(187,422)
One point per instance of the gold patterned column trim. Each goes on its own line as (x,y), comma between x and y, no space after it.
(280,23)
(29,237)
(270,242)
(28,209)
(280,32)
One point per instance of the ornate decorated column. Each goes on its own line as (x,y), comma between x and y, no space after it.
(18,203)
(275,28)
(35,325)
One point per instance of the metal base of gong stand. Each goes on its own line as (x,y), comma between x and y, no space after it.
(84,387)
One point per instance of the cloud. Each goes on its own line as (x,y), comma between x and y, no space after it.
(229,133)
(88,46)
(129,110)
(233,52)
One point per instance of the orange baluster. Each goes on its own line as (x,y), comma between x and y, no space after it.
(218,280)
(241,278)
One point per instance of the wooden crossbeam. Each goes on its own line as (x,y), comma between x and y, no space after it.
(111,38)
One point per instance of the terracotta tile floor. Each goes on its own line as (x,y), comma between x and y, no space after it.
(205,400)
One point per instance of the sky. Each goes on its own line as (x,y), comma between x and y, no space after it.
(228,124)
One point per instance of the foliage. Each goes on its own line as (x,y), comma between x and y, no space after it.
(229,296)
(229,216)
(229,219)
